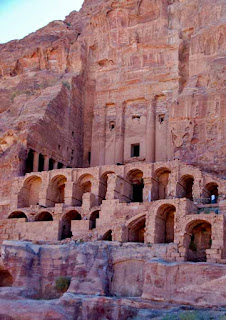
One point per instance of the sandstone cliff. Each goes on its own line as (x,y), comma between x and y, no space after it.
(163,59)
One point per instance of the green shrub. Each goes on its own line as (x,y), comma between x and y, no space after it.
(62,284)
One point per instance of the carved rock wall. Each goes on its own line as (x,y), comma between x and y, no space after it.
(112,269)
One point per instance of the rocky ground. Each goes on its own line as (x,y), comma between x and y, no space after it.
(103,280)
(80,307)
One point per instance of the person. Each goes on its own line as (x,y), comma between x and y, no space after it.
(213,198)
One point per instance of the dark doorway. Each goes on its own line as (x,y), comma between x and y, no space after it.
(51,163)
(6,280)
(138,191)
(198,239)
(44,216)
(29,161)
(94,216)
(66,226)
(107,236)
(17,215)
(136,231)
(41,163)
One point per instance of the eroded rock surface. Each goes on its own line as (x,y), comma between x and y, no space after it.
(104,269)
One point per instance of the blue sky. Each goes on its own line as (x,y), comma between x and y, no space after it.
(18,18)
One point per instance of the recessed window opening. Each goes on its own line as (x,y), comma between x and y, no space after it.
(135,150)
(73,134)
(59,146)
(136,116)
(111,125)
(161,118)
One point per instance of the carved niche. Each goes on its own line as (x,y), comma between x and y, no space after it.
(182,132)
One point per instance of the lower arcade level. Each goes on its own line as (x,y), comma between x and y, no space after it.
(170,204)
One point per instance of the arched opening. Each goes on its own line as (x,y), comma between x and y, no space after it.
(185,187)
(160,184)
(83,186)
(135,177)
(56,190)
(66,223)
(136,230)
(17,215)
(164,224)
(86,186)
(210,193)
(197,240)
(107,236)
(6,279)
(44,216)
(29,194)
(93,218)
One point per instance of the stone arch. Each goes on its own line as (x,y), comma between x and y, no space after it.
(56,190)
(210,193)
(44,216)
(136,185)
(84,185)
(136,228)
(103,184)
(66,223)
(17,215)
(164,224)
(85,182)
(107,236)
(93,218)
(29,193)
(160,183)
(6,279)
(197,239)
(184,188)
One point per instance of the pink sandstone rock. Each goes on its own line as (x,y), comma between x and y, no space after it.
(112,128)
(112,269)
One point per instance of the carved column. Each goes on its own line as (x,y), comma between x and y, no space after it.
(197,187)
(147,194)
(68,198)
(119,141)
(95,191)
(35,161)
(111,186)
(150,134)
(98,138)
(55,163)
(46,163)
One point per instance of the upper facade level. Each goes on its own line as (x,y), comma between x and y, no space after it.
(133,182)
